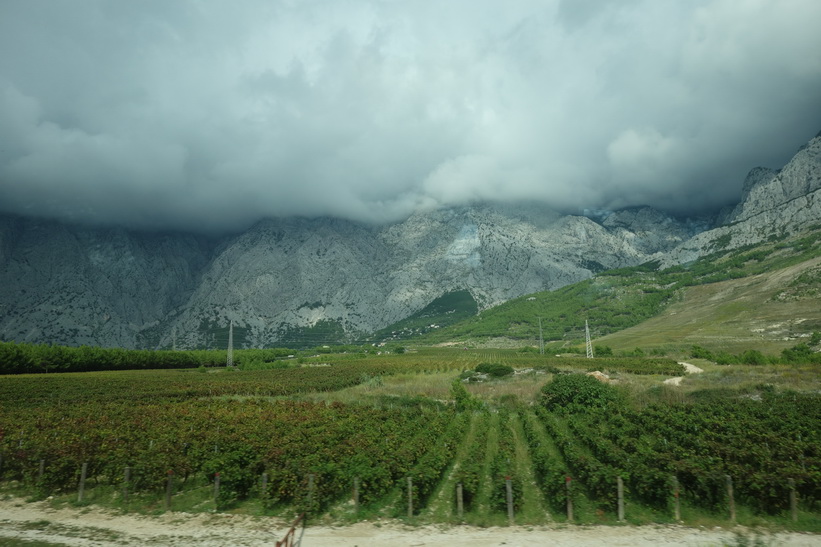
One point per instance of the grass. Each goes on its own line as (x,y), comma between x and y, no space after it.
(732,316)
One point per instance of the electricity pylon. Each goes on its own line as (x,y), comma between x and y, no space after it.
(230,344)
(587,341)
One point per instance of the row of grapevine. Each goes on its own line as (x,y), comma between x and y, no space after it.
(597,477)
(472,468)
(238,439)
(503,466)
(649,480)
(427,473)
(548,465)
(760,443)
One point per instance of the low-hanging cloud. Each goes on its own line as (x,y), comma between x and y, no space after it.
(212,115)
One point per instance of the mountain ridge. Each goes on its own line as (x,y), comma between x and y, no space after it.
(77,285)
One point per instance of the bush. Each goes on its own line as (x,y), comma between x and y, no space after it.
(724,358)
(577,392)
(602,351)
(495,369)
(753,357)
(697,352)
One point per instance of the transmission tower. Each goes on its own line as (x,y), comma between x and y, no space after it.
(541,338)
(587,341)
(230,344)
(174,339)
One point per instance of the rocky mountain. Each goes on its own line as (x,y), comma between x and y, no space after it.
(773,203)
(284,278)
(72,285)
(320,280)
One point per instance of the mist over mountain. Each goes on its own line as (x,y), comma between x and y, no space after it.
(314,281)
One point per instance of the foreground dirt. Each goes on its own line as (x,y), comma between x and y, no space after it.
(93,526)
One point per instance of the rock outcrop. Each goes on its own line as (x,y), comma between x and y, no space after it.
(774,203)
(72,285)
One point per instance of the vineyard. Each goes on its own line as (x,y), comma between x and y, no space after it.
(336,437)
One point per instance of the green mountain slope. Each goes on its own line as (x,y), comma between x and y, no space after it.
(767,311)
(622,299)
(446,310)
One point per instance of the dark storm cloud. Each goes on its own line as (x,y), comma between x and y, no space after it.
(211,115)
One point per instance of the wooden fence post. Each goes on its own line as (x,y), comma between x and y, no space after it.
(460,501)
(82,487)
(793,500)
(676,499)
(168,488)
(730,497)
(567,481)
(620,493)
(126,480)
(410,497)
(509,488)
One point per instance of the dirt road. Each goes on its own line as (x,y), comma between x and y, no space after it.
(92,526)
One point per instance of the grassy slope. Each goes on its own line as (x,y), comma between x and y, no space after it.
(733,315)
(448,309)
(728,300)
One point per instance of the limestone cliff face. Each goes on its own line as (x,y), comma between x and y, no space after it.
(282,274)
(773,203)
(71,285)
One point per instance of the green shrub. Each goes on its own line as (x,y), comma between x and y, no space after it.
(496,370)
(753,357)
(725,358)
(697,352)
(602,351)
(577,392)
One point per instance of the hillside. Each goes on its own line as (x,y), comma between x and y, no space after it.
(765,296)
(767,311)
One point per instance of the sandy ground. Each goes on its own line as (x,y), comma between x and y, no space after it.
(691,369)
(92,526)
(688,368)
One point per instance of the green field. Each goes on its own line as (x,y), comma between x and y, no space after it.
(315,427)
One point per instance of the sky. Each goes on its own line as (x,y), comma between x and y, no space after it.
(208,115)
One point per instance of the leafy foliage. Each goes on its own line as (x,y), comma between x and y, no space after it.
(471,471)
(577,392)
(497,370)
(757,442)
